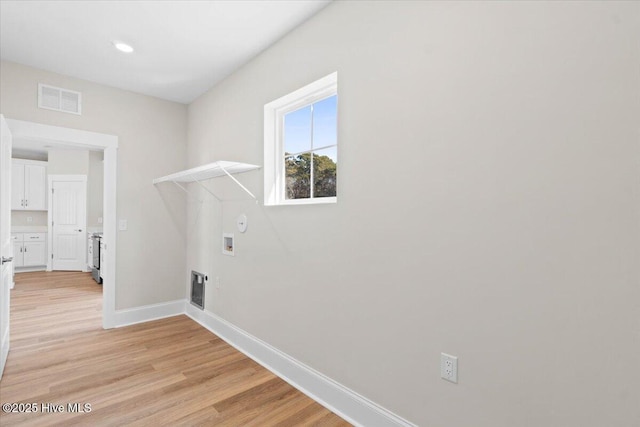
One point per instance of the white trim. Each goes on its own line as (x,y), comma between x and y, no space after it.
(344,402)
(147,313)
(323,85)
(270,161)
(109,202)
(56,135)
(351,406)
(6,241)
(29,269)
(314,201)
(273,162)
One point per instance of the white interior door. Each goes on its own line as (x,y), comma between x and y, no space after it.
(69,218)
(6,246)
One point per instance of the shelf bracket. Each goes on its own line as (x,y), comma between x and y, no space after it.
(238,182)
(207,190)
(188,193)
(181,187)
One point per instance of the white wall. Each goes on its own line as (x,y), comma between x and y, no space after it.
(21,218)
(68,162)
(151,132)
(488,208)
(95,185)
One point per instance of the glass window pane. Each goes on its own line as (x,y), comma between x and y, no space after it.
(325,122)
(297,130)
(298,176)
(325,168)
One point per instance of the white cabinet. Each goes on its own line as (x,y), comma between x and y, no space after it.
(28,185)
(18,256)
(35,253)
(29,249)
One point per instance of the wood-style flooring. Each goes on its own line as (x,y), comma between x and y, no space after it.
(169,372)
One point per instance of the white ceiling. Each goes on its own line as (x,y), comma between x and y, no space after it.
(182,48)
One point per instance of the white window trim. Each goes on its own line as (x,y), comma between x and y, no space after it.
(273,150)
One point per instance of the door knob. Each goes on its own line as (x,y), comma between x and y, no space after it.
(6,260)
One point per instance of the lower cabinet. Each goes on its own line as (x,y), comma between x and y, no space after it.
(29,249)
(18,255)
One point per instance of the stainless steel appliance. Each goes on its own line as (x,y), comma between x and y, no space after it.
(95,272)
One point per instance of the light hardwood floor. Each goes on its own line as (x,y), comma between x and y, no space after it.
(165,373)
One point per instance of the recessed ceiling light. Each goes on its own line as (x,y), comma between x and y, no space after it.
(123,47)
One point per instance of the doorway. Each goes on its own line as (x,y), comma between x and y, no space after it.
(60,137)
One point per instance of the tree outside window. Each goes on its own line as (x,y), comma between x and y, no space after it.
(310,150)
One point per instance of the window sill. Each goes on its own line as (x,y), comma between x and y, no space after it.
(316,201)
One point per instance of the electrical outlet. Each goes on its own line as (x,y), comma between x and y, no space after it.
(449,367)
(99,220)
(29,219)
(217,282)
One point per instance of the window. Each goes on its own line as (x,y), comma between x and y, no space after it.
(301,145)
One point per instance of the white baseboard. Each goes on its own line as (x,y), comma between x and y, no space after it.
(147,313)
(29,269)
(344,402)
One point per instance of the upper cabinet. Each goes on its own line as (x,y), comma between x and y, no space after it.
(28,185)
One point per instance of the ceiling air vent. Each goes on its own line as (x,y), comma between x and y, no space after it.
(59,99)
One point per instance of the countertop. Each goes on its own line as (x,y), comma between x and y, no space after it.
(45,229)
(29,229)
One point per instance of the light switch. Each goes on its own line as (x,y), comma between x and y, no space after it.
(122,225)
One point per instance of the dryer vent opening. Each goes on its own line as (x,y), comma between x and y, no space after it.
(197,289)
